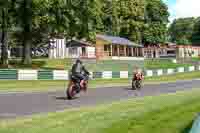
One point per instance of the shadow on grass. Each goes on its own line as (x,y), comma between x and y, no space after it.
(188,128)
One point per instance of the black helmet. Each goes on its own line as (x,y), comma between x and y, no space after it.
(78,61)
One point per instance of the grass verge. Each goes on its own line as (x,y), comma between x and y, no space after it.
(107,65)
(48,64)
(175,77)
(196,59)
(60,85)
(141,115)
(162,64)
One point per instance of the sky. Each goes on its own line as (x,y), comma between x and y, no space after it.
(183,8)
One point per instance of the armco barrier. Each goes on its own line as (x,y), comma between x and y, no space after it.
(64,74)
(27,75)
(60,75)
(123,74)
(8,74)
(45,75)
(170,71)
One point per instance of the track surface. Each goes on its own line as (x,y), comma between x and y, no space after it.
(14,105)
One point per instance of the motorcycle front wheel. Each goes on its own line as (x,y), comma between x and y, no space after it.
(136,85)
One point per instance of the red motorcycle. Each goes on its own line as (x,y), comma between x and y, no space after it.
(75,88)
(137,81)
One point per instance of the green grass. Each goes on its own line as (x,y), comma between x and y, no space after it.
(107,65)
(116,66)
(51,85)
(162,64)
(44,63)
(195,59)
(141,115)
(175,77)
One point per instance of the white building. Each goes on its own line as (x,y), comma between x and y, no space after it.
(61,49)
(57,49)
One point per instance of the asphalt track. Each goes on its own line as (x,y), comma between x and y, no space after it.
(14,105)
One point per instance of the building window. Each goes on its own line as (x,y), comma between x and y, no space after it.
(106,48)
(171,52)
(83,51)
(129,51)
(115,50)
(121,51)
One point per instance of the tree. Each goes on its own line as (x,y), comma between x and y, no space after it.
(142,21)
(155,33)
(156,19)
(37,22)
(106,18)
(23,13)
(196,32)
(4,35)
(131,17)
(181,30)
(4,22)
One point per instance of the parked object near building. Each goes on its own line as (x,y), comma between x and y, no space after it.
(16,51)
(117,48)
(9,52)
(188,51)
(160,51)
(80,49)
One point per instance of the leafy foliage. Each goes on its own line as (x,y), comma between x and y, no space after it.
(34,22)
(156,19)
(196,32)
(181,30)
(136,20)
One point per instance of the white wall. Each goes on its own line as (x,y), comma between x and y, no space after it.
(58,50)
(127,58)
(91,52)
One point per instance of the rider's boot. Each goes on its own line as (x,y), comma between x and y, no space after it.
(78,88)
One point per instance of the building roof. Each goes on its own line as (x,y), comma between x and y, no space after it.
(77,43)
(117,40)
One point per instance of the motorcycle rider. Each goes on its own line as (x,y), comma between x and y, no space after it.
(138,72)
(79,71)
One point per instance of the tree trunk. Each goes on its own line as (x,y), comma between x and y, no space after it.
(27,23)
(27,53)
(4,42)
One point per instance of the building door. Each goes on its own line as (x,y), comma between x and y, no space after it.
(73,52)
(83,51)
(154,54)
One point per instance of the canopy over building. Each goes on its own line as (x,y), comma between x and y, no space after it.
(117,40)
(77,43)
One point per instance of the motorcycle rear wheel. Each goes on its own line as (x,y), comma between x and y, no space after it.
(71,92)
